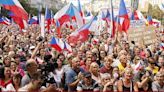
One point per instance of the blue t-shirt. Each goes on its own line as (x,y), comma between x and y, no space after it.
(71,76)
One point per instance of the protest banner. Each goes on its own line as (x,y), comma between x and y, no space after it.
(142,34)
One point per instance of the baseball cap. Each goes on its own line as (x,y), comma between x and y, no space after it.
(87,74)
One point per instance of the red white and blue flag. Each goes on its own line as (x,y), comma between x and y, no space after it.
(48,18)
(150,20)
(134,16)
(58,28)
(103,16)
(80,10)
(55,44)
(22,23)
(81,34)
(67,47)
(124,16)
(4,20)
(113,21)
(33,20)
(15,7)
(69,13)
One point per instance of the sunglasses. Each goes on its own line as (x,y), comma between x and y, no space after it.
(152,63)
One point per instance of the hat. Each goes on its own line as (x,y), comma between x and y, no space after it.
(32,47)
(87,74)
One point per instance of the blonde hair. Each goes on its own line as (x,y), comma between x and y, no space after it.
(128,69)
(105,75)
(91,66)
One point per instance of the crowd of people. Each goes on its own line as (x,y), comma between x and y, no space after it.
(101,64)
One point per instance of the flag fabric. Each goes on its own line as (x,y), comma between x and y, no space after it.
(138,66)
(80,10)
(39,16)
(52,18)
(123,14)
(134,16)
(55,44)
(67,47)
(118,22)
(17,20)
(33,20)
(48,18)
(60,45)
(113,26)
(4,20)
(156,23)
(150,20)
(82,33)
(103,16)
(68,13)
(137,15)
(58,28)
(88,14)
(162,45)
(15,7)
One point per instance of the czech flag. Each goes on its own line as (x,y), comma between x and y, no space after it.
(67,47)
(33,20)
(48,18)
(106,18)
(4,20)
(58,28)
(55,44)
(68,13)
(134,16)
(82,33)
(22,23)
(137,15)
(15,7)
(80,10)
(113,21)
(150,20)
(103,16)
(123,14)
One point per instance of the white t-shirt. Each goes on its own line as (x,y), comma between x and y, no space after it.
(10,87)
(58,75)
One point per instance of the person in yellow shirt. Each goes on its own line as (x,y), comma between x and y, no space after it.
(151,66)
(123,63)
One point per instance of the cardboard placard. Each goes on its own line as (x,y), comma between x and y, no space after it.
(144,35)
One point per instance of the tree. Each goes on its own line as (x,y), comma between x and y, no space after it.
(28,8)
(155,12)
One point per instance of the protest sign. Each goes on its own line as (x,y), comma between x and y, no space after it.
(142,35)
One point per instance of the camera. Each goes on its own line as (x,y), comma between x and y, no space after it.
(46,71)
(2,72)
(40,39)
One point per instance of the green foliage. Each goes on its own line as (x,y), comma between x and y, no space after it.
(155,12)
(27,7)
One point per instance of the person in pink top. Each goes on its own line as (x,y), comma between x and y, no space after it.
(15,69)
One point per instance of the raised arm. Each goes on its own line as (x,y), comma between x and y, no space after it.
(36,49)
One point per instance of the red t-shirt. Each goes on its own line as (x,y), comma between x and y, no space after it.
(105,70)
(3,84)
